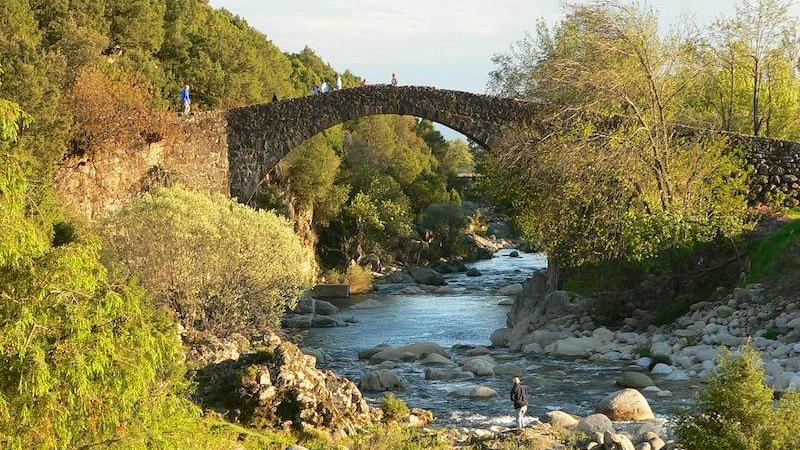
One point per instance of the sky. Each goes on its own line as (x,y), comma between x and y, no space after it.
(442,43)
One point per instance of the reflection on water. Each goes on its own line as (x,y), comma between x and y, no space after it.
(469,317)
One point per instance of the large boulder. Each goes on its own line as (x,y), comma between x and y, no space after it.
(627,404)
(511,289)
(596,423)
(635,380)
(559,419)
(276,384)
(499,337)
(424,275)
(482,366)
(507,370)
(477,392)
(381,380)
(310,305)
(435,358)
(473,272)
(573,346)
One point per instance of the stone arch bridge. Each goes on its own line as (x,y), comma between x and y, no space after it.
(260,135)
(231,151)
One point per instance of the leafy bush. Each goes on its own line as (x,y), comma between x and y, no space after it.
(84,361)
(446,222)
(394,408)
(360,279)
(396,437)
(736,411)
(218,265)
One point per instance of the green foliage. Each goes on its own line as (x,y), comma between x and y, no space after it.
(446,222)
(84,360)
(736,410)
(587,189)
(397,437)
(164,238)
(775,255)
(394,408)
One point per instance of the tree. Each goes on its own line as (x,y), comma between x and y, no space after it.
(446,222)
(736,410)
(607,175)
(757,47)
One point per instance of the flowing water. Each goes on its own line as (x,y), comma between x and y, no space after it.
(469,317)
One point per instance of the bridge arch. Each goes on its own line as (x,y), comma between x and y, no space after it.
(259,136)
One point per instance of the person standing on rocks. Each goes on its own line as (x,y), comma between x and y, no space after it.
(519,396)
(187,101)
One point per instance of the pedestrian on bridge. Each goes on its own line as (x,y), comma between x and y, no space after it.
(394,79)
(324,87)
(186,99)
(338,82)
(519,397)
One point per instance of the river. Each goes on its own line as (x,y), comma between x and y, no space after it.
(468,317)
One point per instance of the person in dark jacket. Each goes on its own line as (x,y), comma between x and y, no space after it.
(519,396)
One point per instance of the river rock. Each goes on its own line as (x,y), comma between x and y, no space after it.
(435,358)
(614,441)
(499,337)
(311,321)
(634,380)
(477,392)
(573,346)
(596,423)
(309,305)
(478,351)
(424,275)
(627,404)
(508,301)
(532,349)
(603,335)
(662,369)
(381,380)
(507,370)
(559,419)
(368,352)
(473,272)
(482,366)
(408,352)
(511,289)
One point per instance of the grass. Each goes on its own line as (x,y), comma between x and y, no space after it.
(768,256)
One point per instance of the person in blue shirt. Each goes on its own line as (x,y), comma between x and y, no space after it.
(187,101)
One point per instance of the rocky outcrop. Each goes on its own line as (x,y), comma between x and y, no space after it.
(276,385)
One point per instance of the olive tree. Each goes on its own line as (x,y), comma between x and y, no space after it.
(218,265)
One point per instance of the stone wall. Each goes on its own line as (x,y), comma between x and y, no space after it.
(194,155)
(776,168)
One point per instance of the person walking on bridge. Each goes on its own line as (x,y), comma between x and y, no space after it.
(187,101)
(394,80)
(519,397)
(338,82)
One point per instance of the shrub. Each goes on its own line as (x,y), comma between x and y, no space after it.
(360,279)
(736,411)
(125,117)
(85,362)
(218,265)
(394,408)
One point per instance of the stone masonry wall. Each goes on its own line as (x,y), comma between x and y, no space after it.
(231,151)
(196,156)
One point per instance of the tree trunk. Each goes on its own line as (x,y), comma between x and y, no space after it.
(756,88)
(552,275)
